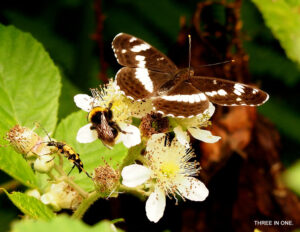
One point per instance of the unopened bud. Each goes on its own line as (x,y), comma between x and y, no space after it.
(33,193)
(62,196)
(44,163)
(51,200)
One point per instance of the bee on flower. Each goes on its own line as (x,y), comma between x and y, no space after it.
(168,171)
(110,116)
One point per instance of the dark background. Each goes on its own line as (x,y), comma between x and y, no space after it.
(78,34)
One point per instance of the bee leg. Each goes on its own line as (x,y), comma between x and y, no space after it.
(119,129)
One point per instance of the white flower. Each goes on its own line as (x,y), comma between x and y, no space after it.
(170,171)
(130,138)
(123,109)
(193,126)
(61,196)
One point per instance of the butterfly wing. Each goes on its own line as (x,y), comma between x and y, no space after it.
(140,83)
(135,53)
(229,93)
(183,100)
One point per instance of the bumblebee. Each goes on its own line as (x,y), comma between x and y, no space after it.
(70,154)
(102,121)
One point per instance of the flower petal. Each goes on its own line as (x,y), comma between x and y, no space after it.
(86,135)
(132,136)
(182,136)
(135,174)
(192,189)
(211,109)
(84,102)
(155,205)
(203,135)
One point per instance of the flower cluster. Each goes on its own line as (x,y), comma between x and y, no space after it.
(161,165)
(166,167)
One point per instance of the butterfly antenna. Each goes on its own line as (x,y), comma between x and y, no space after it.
(223,62)
(190,53)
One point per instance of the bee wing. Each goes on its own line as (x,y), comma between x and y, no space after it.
(105,128)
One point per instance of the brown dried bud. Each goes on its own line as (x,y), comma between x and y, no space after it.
(22,139)
(106,179)
(154,123)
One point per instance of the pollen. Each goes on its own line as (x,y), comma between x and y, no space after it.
(169,164)
(170,169)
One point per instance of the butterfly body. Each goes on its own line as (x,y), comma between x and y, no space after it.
(149,74)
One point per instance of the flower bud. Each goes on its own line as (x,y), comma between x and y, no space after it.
(154,123)
(106,179)
(51,200)
(44,163)
(22,139)
(33,193)
(62,196)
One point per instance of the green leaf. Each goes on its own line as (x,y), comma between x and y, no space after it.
(62,223)
(67,105)
(29,91)
(292,176)
(29,82)
(17,167)
(91,154)
(283,18)
(30,206)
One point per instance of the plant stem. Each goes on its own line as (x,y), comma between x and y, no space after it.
(52,177)
(61,160)
(85,204)
(132,155)
(142,159)
(134,191)
(70,182)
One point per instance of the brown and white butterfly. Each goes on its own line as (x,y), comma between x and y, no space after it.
(149,74)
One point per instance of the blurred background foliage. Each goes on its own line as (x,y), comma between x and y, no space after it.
(66,28)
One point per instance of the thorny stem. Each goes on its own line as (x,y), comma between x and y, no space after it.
(85,204)
(70,182)
(142,159)
(95,195)
(135,191)
(132,155)
(52,177)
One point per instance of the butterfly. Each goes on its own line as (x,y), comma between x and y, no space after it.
(149,74)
